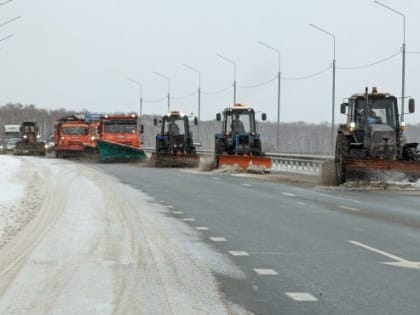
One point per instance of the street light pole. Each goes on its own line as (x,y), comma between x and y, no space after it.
(234,75)
(140,86)
(5,2)
(199,87)
(333,86)
(169,88)
(403,56)
(278,91)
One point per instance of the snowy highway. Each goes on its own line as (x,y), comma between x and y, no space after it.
(127,239)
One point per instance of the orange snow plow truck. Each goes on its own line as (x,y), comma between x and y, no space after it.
(72,138)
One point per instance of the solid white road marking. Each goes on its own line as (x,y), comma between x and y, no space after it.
(216,178)
(246,185)
(178,212)
(288,194)
(202,228)
(170,207)
(238,253)
(217,239)
(349,208)
(266,272)
(189,220)
(301,296)
(400,262)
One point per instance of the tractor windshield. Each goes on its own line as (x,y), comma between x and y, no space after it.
(82,131)
(120,126)
(240,122)
(174,126)
(380,111)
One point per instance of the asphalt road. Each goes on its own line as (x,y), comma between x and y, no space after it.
(315,250)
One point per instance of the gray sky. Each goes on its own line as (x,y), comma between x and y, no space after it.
(77,54)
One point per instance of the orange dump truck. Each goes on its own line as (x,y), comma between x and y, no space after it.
(72,137)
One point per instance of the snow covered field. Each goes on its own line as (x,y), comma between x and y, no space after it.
(76,241)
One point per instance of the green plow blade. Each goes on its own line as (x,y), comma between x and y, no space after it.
(117,152)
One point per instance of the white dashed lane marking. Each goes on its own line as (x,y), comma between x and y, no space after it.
(266,272)
(301,296)
(288,194)
(349,208)
(215,178)
(189,219)
(202,228)
(246,185)
(238,253)
(178,212)
(217,239)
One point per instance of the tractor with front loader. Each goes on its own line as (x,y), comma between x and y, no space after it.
(371,145)
(29,143)
(238,145)
(174,142)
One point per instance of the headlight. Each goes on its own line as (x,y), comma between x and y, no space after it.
(352,126)
(46,147)
(38,136)
(25,136)
(403,126)
(93,138)
(1,147)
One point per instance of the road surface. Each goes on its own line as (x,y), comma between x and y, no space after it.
(304,250)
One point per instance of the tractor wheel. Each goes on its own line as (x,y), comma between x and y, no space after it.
(341,152)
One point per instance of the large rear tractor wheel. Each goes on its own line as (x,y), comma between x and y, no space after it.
(341,152)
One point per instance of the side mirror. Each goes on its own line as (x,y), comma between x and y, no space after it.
(343,107)
(263,116)
(218,117)
(411,105)
(195,121)
(141,128)
(155,122)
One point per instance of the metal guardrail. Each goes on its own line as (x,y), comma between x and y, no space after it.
(286,162)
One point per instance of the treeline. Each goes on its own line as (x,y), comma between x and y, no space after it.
(296,137)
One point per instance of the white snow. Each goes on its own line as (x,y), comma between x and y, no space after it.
(10,188)
(80,242)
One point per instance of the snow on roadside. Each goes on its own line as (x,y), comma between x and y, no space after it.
(10,190)
(20,196)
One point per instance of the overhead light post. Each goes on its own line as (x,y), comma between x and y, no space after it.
(199,86)
(10,21)
(199,94)
(403,56)
(5,2)
(333,86)
(234,75)
(140,86)
(169,88)
(278,90)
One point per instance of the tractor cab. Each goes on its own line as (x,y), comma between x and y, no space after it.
(29,131)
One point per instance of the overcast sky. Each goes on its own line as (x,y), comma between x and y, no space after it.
(77,54)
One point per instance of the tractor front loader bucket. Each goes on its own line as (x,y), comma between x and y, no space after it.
(257,164)
(382,169)
(175,160)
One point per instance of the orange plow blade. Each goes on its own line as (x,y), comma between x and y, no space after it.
(258,164)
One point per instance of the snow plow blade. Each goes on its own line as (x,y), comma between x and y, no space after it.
(175,160)
(23,148)
(259,164)
(382,169)
(117,152)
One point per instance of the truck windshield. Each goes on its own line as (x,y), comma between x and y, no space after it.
(380,111)
(124,126)
(82,131)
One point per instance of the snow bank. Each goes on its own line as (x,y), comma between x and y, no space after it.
(10,189)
